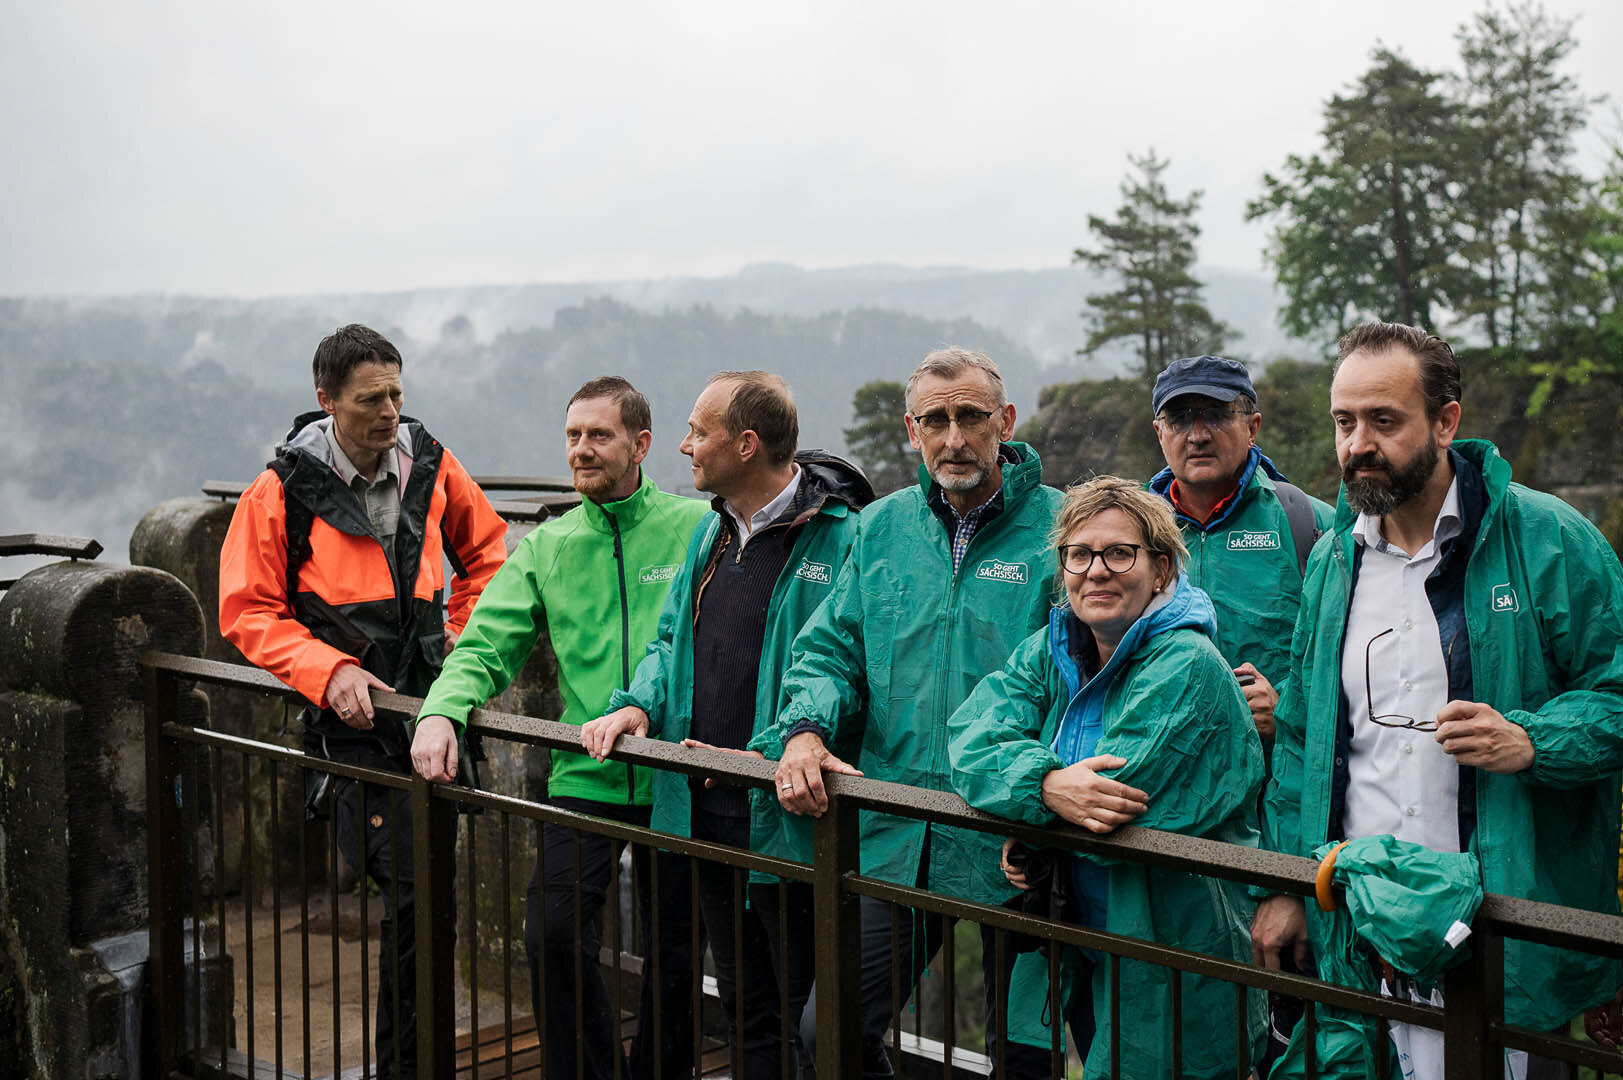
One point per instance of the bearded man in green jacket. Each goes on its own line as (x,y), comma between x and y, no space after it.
(943,581)
(1456,676)
(595,580)
(756,568)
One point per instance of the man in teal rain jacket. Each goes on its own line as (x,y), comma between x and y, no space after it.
(1457,670)
(1248,530)
(755,569)
(1167,705)
(942,582)
(595,579)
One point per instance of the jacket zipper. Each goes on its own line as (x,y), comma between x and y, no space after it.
(625,639)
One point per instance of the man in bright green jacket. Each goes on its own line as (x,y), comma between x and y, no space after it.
(595,579)
(1457,670)
(755,569)
(1248,530)
(943,581)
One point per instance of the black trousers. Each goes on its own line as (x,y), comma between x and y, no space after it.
(918,940)
(581,1031)
(744,948)
(383,826)
(786,912)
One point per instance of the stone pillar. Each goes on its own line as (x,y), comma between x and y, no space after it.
(73,875)
(182,537)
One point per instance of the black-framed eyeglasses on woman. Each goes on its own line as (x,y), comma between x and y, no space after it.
(1391,720)
(1118,558)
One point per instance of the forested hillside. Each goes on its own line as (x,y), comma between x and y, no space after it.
(112,406)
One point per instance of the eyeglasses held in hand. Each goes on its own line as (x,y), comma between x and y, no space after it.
(1391,720)
(1118,558)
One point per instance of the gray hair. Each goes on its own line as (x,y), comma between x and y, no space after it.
(953,361)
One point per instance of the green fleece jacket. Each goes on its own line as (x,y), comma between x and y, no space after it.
(595,580)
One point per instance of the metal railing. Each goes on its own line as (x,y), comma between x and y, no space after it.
(1471,1018)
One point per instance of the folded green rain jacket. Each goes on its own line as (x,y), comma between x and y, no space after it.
(820,534)
(1167,703)
(1401,903)
(595,579)
(1245,559)
(1543,600)
(900,644)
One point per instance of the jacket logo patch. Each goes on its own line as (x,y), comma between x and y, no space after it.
(651,575)
(1245,540)
(998,570)
(1504,598)
(815,572)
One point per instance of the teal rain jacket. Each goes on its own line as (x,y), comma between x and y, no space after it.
(1245,558)
(1544,616)
(1167,703)
(821,534)
(1401,904)
(900,644)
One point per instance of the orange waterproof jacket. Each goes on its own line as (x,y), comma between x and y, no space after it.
(346,605)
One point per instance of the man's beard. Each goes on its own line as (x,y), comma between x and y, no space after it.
(1378,496)
(595,486)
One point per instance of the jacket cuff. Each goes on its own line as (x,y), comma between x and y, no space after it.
(804,726)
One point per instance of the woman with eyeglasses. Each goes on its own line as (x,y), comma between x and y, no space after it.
(1122,710)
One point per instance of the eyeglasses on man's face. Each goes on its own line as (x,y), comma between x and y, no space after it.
(1118,558)
(969,421)
(1391,720)
(1212,416)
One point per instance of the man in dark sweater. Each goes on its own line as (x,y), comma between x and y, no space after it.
(755,570)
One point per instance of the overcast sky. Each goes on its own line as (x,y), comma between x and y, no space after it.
(296,147)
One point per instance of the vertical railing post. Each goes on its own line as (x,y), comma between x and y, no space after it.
(839,943)
(433,857)
(1473,999)
(165,872)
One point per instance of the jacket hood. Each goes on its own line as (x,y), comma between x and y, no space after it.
(829,476)
(1181,606)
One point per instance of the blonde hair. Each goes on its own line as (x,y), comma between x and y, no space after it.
(1087,499)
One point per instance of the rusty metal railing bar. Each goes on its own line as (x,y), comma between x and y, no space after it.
(1149,952)
(1527,920)
(1546,1044)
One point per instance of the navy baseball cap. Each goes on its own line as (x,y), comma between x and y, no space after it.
(1209,376)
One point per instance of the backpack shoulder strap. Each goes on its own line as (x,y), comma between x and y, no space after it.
(299,520)
(1299,512)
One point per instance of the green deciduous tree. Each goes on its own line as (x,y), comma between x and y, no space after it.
(877,436)
(1517,191)
(1150,246)
(1362,228)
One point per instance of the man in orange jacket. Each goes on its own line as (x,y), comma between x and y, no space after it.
(331,578)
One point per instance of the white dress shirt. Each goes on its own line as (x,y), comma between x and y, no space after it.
(767,514)
(1399,781)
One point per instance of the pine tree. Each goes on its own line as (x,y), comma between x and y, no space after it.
(877,437)
(1150,246)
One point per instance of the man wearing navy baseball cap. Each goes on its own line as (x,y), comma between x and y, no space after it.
(1247,529)
(1248,532)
